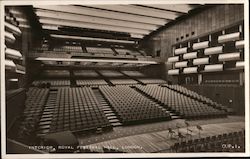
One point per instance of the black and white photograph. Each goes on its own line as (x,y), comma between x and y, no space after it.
(95,79)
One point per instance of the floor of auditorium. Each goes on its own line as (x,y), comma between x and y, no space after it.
(154,137)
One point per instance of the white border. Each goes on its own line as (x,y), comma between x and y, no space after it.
(134,155)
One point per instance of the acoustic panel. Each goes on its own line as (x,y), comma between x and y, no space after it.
(189,70)
(201,61)
(240,64)
(173,59)
(240,44)
(181,64)
(200,45)
(213,50)
(229,56)
(180,51)
(14,54)
(9,64)
(9,37)
(229,37)
(13,28)
(213,68)
(190,55)
(174,72)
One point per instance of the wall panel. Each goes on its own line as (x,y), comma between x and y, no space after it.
(203,22)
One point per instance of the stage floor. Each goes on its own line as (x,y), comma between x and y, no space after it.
(153,137)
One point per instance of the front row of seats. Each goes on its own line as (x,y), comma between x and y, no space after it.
(227,142)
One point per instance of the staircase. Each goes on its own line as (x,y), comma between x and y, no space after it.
(108,111)
(46,118)
(158,104)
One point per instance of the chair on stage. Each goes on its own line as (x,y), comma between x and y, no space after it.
(171,132)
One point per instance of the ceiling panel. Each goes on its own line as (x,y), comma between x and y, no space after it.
(139,10)
(181,8)
(135,20)
(72,23)
(91,39)
(104,14)
(91,19)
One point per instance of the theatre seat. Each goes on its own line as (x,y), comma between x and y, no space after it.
(34,103)
(77,109)
(182,105)
(131,106)
(226,142)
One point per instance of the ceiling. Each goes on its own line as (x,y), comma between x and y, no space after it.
(131,22)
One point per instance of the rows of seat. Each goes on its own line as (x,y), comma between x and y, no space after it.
(123,81)
(227,142)
(56,73)
(40,52)
(49,54)
(133,73)
(86,73)
(100,54)
(221,81)
(99,50)
(182,105)
(122,51)
(131,106)
(90,82)
(151,81)
(196,96)
(77,109)
(56,82)
(68,48)
(218,85)
(34,104)
(111,73)
(127,52)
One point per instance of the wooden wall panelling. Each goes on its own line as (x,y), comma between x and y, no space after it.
(228,96)
(203,22)
(227,12)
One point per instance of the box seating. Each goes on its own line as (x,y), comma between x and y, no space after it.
(55,82)
(217,143)
(183,105)
(131,106)
(34,104)
(152,81)
(77,109)
(197,96)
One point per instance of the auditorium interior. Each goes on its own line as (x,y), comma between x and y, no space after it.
(124,78)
